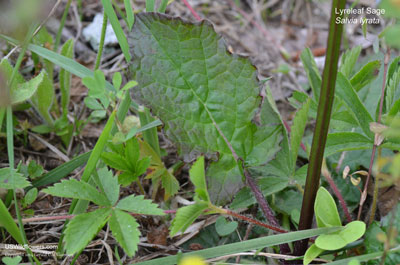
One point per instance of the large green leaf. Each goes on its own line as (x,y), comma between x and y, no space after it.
(206,97)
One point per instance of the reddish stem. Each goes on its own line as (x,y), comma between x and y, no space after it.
(364,193)
(289,130)
(192,10)
(339,196)
(254,221)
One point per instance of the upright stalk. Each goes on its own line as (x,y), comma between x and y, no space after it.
(322,124)
(102,38)
(376,145)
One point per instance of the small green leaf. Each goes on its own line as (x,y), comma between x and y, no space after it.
(132,152)
(296,135)
(392,86)
(99,114)
(125,179)
(198,178)
(11,260)
(95,84)
(169,183)
(313,75)
(224,227)
(364,27)
(83,227)
(346,141)
(333,241)
(109,184)
(78,190)
(391,36)
(346,92)
(117,80)
(26,90)
(10,179)
(325,209)
(129,85)
(115,161)
(65,77)
(31,196)
(43,99)
(349,60)
(42,129)
(185,216)
(137,204)
(92,103)
(312,252)
(125,230)
(366,75)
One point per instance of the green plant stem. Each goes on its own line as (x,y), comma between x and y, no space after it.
(322,124)
(62,23)
(150,136)
(10,137)
(101,44)
(376,187)
(376,192)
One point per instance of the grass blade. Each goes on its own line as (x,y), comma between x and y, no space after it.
(61,171)
(64,62)
(130,16)
(150,6)
(8,223)
(123,42)
(163,6)
(92,162)
(244,245)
